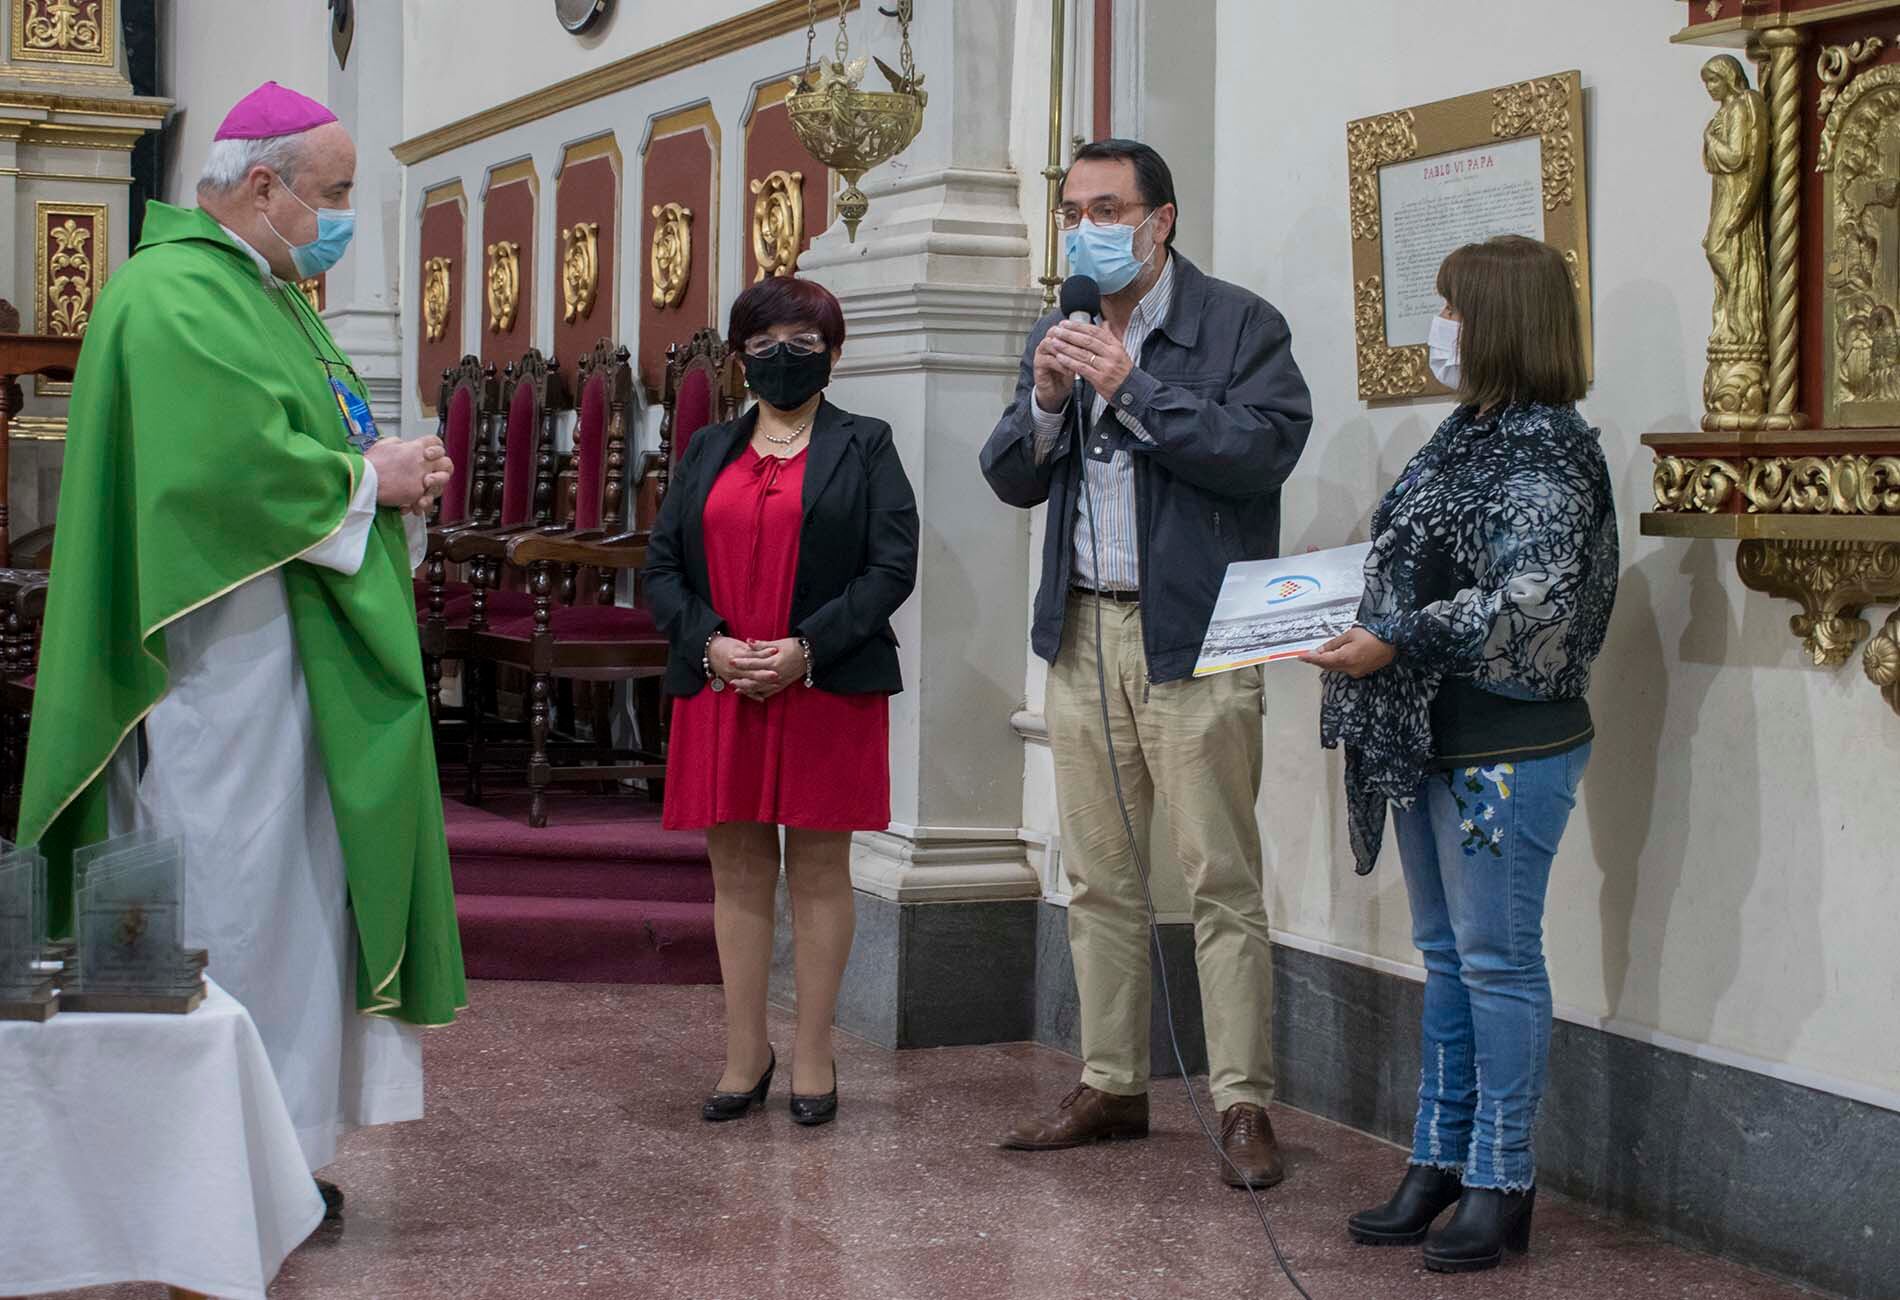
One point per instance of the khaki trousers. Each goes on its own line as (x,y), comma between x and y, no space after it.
(1196,746)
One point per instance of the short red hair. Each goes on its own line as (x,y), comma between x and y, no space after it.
(785,300)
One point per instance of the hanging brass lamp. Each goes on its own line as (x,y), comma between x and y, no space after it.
(851,130)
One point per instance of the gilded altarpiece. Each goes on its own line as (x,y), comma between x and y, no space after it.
(1803,153)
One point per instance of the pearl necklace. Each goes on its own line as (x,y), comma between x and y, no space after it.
(789,439)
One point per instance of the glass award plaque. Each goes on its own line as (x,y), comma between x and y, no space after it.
(128,922)
(26,992)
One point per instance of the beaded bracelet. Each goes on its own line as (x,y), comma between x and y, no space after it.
(805,647)
(705,664)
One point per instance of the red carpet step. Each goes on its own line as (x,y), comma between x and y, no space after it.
(603,894)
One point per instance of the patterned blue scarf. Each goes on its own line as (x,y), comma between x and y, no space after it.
(1494,559)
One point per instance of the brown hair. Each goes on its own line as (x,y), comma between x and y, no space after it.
(1520,339)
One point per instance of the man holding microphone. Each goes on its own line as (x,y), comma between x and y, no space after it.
(1167,468)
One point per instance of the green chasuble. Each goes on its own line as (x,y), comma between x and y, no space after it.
(205,447)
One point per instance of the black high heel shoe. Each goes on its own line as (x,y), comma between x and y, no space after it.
(722,1106)
(1407,1217)
(1488,1223)
(812,1111)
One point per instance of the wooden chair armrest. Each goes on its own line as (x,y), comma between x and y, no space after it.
(485,543)
(626,552)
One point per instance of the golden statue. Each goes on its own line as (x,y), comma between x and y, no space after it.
(1735,152)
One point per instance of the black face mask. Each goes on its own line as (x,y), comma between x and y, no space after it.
(785,380)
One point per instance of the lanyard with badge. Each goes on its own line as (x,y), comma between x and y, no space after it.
(359,425)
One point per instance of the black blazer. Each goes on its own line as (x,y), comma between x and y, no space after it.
(857,553)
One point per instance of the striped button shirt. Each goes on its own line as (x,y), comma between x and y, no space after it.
(1111,474)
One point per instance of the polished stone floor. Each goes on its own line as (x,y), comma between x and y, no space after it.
(563,1156)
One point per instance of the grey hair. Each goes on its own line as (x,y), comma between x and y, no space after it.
(230,161)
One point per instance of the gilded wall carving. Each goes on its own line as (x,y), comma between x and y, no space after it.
(671,258)
(438,288)
(778,222)
(70,258)
(1836,65)
(1861,312)
(64,31)
(504,285)
(580,270)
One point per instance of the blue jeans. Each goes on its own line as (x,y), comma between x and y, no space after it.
(1476,848)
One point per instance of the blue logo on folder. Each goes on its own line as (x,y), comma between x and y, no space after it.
(1291,587)
(358,424)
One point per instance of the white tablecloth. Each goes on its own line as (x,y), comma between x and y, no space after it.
(147,1148)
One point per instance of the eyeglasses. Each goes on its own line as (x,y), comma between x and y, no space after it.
(799,345)
(1102,212)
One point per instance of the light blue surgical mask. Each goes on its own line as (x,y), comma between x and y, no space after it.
(1105,254)
(335,228)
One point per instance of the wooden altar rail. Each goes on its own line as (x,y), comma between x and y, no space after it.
(21,355)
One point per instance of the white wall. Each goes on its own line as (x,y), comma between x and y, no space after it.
(1729,877)
(215,52)
(469,55)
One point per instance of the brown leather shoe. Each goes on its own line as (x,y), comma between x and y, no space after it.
(1246,1138)
(1086,1115)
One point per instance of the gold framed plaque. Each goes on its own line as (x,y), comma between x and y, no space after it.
(1424,181)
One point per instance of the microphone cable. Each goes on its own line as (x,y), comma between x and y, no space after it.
(1134,848)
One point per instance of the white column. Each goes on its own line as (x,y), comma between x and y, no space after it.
(363,294)
(938,297)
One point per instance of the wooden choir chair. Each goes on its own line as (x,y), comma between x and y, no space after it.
(466,411)
(533,395)
(575,634)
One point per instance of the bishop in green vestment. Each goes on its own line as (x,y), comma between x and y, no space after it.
(230,648)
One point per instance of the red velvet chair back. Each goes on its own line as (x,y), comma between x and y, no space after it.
(531,395)
(600,437)
(464,413)
(704,385)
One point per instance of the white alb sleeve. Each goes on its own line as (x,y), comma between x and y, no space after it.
(343,550)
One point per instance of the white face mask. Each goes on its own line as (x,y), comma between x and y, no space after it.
(1443,342)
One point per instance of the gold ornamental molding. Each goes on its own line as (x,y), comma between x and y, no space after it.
(38,428)
(1421,181)
(580,269)
(146,109)
(438,292)
(1371,143)
(79,33)
(671,258)
(70,252)
(1832,582)
(702,46)
(1383,371)
(1835,67)
(778,223)
(1792,485)
(504,285)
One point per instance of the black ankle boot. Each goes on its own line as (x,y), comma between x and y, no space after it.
(1488,1223)
(1405,1219)
(721,1106)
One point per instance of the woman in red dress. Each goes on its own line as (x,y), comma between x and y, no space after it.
(787,540)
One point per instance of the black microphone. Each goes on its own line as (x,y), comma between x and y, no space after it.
(1081,302)
(1081,296)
